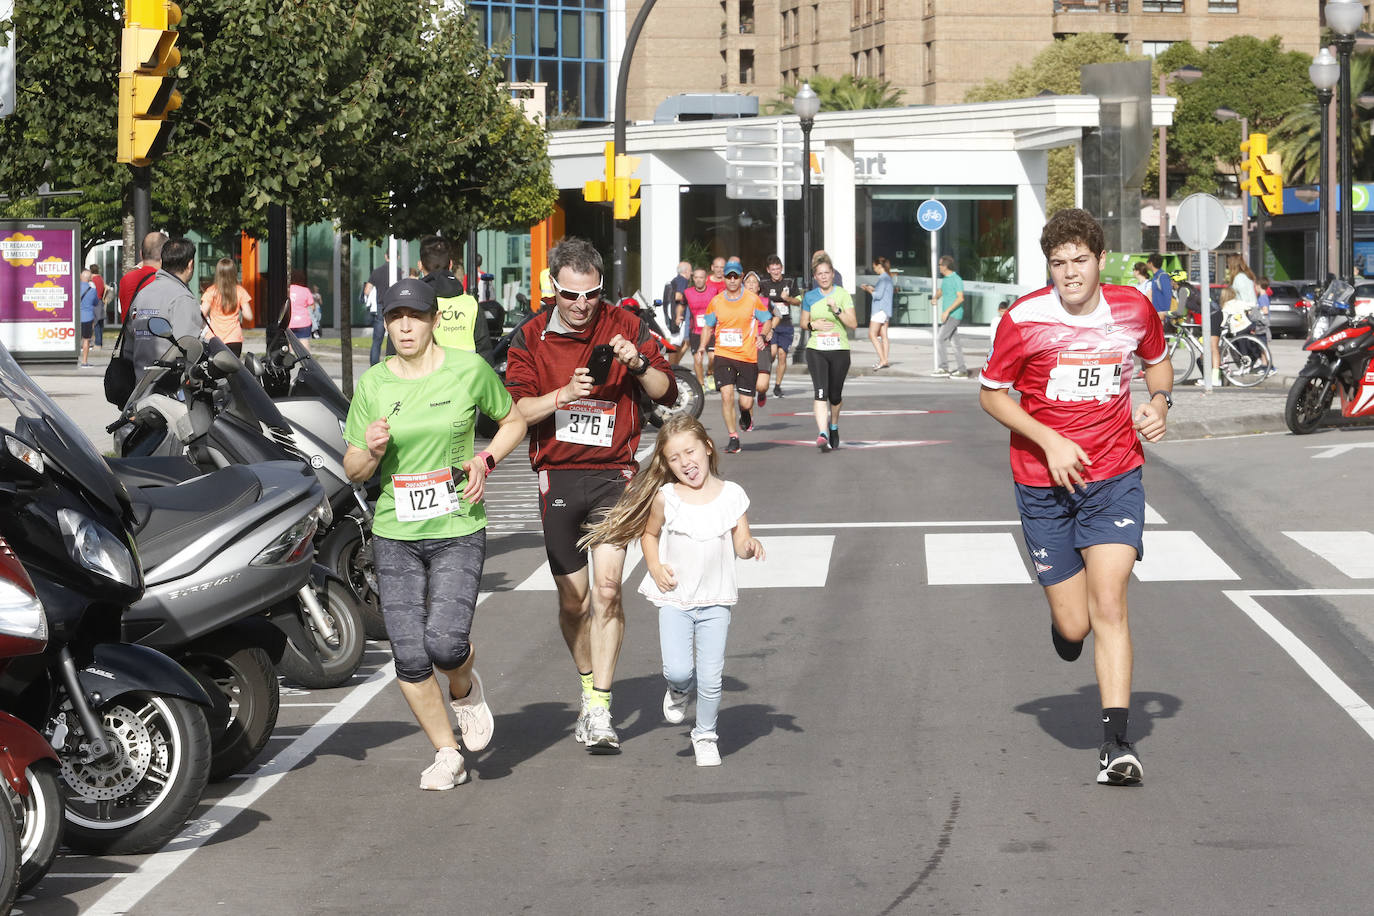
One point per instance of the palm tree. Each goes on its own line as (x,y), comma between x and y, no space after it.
(847,93)
(1297,138)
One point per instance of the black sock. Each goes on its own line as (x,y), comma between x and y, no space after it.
(1114,724)
(745,417)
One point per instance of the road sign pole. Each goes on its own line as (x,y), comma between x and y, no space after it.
(1205,300)
(1202,224)
(934,312)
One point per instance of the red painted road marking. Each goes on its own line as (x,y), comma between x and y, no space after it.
(867,413)
(845,443)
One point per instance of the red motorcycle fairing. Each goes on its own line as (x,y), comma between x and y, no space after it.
(20,747)
(1349,333)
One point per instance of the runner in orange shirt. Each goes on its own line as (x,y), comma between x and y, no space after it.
(733,320)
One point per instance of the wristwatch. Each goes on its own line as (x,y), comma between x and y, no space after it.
(490,461)
(1168,398)
(643,366)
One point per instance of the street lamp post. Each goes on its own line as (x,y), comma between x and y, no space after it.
(1324,73)
(807,105)
(1345,17)
(1226,114)
(1187,75)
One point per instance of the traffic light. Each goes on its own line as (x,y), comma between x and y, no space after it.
(1251,150)
(1270,182)
(626,188)
(147,86)
(602,192)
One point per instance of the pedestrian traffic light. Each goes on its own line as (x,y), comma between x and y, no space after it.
(626,188)
(596,191)
(147,85)
(1251,149)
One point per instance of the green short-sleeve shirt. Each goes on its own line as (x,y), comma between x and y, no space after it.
(950,288)
(432,421)
(828,306)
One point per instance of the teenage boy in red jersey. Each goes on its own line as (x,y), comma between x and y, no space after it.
(1076,456)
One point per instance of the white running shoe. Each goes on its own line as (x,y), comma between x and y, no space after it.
(601,736)
(708,755)
(445,772)
(475,722)
(675,705)
(583,711)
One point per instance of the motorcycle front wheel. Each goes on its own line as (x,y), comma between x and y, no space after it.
(139,795)
(691,399)
(41,827)
(1308,401)
(338,661)
(349,555)
(249,698)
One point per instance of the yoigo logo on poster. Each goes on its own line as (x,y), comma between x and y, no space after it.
(62,333)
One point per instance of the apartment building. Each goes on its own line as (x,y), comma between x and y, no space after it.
(934,50)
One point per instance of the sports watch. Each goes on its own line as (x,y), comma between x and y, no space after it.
(1168,398)
(490,461)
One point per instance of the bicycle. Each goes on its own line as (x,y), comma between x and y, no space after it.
(1245,358)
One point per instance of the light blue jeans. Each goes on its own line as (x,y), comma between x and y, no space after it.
(678,629)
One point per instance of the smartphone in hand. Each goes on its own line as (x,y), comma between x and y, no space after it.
(600,363)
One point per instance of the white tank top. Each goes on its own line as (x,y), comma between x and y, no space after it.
(697,542)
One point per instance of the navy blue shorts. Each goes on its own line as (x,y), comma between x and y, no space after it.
(783,336)
(1057,524)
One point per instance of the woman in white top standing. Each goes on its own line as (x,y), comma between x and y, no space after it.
(692,525)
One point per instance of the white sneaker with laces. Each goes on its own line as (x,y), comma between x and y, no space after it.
(601,736)
(583,711)
(445,772)
(475,722)
(708,754)
(675,705)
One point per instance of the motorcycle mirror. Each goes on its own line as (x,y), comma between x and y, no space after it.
(160,327)
(225,363)
(253,364)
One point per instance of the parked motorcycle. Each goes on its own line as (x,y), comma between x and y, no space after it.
(28,766)
(127,723)
(1341,346)
(203,406)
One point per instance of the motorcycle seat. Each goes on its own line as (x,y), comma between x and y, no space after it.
(166,519)
(153,470)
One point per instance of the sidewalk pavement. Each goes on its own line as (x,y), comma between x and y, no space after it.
(1196,414)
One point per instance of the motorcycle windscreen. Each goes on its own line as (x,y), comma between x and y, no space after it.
(247,401)
(38,419)
(313,381)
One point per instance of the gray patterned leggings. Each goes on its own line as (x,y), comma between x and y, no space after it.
(428,594)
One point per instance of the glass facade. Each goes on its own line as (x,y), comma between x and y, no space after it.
(561,43)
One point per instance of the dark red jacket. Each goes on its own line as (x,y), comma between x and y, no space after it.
(542,359)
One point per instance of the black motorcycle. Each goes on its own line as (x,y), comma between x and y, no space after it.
(128,724)
(1342,348)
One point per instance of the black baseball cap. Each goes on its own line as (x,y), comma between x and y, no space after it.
(408,292)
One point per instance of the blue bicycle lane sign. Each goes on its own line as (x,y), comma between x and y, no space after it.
(931,215)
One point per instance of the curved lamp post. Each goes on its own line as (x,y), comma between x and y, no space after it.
(1345,17)
(1325,72)
(806,105)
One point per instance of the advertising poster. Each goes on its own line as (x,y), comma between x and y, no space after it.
(1364,259)
(39,283)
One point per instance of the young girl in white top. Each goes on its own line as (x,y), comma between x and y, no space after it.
(692,525)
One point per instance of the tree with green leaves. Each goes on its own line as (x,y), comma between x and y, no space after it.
(1297,138)
(1254,77)
(1057,70)
(388,115)
(846,93)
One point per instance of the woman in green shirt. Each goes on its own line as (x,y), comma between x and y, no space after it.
(827,311)
(412,418)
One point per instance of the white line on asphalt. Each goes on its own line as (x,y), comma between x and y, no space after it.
(309,704)
(1309,661)
(1152,517)
(992,558)
(1352,552)
(158,867)
(1180,556)
(970,524)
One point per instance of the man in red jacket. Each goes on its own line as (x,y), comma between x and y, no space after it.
(583,438)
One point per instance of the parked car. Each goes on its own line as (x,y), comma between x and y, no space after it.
(1288,310)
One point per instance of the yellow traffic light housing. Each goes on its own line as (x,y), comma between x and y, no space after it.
(147,86)
(602,191)
(626,188)
(1270,182)
(1251,150)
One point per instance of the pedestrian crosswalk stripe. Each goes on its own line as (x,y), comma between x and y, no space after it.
(1152,517)
(801,561)
(1352,552)
(1180,556)
(988,558)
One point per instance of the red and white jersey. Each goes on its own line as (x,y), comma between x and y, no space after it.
(1074,374)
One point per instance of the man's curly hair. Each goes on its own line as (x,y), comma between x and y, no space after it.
(1073,225)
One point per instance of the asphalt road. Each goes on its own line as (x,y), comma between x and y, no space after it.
(897,732)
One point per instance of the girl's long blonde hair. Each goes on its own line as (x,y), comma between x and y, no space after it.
(628,518)
(227,285)
(1235,266)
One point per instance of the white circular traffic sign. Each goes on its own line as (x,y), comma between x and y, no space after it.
(1202,222)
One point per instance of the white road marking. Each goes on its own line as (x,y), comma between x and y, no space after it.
(1321,673)
(1352,552)
(802,561)
(1180,556)
(775,526)
(1334,451)
(1152,517)
(158,867)
(985,558)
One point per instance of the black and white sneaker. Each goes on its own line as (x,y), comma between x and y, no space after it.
(834,437)
(777,391)
(732,446)
(1068,651)
(1119,765)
